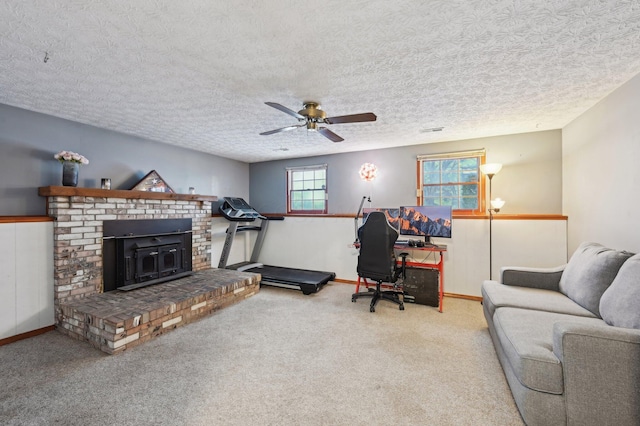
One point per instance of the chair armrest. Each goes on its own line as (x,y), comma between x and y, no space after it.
(544,278)
(601,369)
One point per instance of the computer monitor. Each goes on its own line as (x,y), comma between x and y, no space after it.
(392,214)
(426,221)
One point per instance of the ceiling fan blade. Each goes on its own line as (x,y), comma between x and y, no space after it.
(353,118)
(282,129)
(329,134)
(285,110)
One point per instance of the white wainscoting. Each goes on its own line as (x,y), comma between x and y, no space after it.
(535,243)
(8,280)
(326,244)
(26,280)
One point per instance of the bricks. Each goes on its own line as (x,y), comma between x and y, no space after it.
(119,343)
(116,321)
(78,237)
(173,321)
(198,306)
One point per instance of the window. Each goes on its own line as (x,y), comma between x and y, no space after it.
(307,189)
(451,179)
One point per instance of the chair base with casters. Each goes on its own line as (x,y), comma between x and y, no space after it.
(377,294)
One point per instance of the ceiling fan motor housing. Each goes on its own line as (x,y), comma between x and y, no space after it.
(313,112)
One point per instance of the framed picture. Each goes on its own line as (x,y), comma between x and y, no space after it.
(152,182)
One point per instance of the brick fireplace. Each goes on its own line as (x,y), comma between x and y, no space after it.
(116,320)
(78,230)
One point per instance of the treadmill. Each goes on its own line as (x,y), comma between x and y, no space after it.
(237,211)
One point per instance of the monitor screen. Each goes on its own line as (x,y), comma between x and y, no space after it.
(427,221)
(393,215)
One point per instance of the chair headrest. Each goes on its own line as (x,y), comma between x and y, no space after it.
(378,220)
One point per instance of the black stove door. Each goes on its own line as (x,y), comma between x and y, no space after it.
(146,264)
(170,260)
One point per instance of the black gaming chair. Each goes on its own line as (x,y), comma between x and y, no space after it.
(377,260)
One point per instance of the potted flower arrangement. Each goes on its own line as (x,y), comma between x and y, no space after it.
(70,165)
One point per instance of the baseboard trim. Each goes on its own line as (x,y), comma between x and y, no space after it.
(463,296)
(26,335)
(452,295)
(340,280)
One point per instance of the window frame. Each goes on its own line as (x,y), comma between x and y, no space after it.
(290,172)
(480,154)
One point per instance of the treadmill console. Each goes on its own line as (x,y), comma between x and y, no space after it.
(237,210)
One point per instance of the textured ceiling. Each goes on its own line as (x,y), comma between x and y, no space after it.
(196,73)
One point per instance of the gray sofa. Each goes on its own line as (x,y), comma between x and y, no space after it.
(568,338)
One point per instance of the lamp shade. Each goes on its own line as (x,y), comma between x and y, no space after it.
(497,203)
(368,171)
(490,169)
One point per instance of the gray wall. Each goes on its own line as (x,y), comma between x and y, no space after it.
(530,181)
(601,150)
(28,141)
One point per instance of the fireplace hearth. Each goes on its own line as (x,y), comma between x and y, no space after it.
(117,320)
(143,252)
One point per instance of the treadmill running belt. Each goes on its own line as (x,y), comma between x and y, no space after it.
(292,276)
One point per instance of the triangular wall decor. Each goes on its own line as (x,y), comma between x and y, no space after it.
(152,182)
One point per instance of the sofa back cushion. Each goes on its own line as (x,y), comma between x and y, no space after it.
(589,273)
(620,303)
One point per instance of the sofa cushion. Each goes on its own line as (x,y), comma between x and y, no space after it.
(589,273)
(495,295)
(526,337)
(528,348)
(620,303)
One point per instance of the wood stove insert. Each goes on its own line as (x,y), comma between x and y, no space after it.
(138,253)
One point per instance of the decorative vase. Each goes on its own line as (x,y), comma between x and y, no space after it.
(70,173)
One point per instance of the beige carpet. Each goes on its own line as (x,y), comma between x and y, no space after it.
(278,358)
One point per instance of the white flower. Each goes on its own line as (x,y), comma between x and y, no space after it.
(74,157)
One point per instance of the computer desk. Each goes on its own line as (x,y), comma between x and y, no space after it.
(425,264)
(399,248)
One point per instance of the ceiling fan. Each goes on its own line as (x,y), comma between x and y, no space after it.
(312,115)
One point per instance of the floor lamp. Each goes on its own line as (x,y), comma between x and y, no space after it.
(490,169)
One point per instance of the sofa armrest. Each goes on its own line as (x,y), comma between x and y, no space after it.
(601,369)
(544,278)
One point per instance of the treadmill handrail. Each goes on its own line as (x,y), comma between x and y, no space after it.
(248,228)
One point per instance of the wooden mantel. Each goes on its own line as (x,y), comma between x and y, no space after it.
(71,191)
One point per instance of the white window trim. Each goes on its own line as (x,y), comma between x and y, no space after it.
(326,189)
